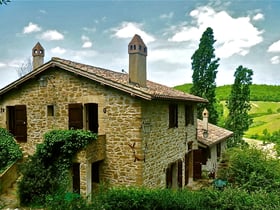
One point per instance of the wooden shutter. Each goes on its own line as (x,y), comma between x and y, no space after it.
(197,162)
(75,113)
(180,177)
(20,130)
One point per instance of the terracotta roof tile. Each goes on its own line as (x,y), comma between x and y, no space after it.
(121,81)
(216,134)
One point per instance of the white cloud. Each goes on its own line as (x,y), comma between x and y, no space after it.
(58,50)
(167,16)
(274,47)
(275,60)
(51,35)
(129,29)
(2,65)
(30,28)
(86,42)
(233,35)
(258,16)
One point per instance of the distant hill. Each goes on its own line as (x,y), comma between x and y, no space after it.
(258,92)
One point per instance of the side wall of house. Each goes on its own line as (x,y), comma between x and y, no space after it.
(163,145)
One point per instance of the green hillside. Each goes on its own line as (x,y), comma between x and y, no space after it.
(265,111)
(258,92)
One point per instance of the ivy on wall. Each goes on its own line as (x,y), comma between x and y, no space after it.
(47,171)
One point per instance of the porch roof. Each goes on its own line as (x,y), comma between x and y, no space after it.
(216,134)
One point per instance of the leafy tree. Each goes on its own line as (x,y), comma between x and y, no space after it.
(238,104)
(4,1)
(204,66)
(25,68)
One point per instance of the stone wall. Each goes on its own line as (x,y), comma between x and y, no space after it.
(164,145)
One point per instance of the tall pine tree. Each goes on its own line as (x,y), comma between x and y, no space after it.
(204,66)
(238,104)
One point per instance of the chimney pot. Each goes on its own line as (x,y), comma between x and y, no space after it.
(137,51)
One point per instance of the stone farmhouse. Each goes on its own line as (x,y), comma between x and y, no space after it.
(147,132)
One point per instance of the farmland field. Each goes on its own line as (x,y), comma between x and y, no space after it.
(266,115)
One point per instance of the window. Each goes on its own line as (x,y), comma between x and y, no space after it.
(173,115)
(50,110)
(92,117)
(83,117)
(189,115)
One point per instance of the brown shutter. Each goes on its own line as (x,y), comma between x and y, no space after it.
(20,131)
(75,116)
(180,177)
(197,162)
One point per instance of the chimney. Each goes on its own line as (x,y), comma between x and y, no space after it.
(38,54)
(205,116)
(137,51)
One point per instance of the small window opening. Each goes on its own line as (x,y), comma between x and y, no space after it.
(50,110)
(145,49)
(131,47)
(134,47)
(140,47)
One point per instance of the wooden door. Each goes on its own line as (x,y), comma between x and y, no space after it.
(186,168)
(75,116)
(20,127)
(197,163)
(76,177)
(180,176)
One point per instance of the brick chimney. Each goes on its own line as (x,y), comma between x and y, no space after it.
(38,54)
(137,51)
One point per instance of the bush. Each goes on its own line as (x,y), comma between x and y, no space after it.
(253,170)
(9,149)
(142,198)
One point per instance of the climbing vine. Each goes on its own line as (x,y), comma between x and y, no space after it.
(46,172)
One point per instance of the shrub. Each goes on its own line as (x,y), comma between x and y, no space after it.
(253,170)
(9,149)
(46,172)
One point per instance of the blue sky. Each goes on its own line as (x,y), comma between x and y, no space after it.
(97,32)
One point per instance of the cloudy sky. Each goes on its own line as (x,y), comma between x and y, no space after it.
(97,32)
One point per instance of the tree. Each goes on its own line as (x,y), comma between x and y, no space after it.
(4,1)
(238,104)
(204,66)
(25,68)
